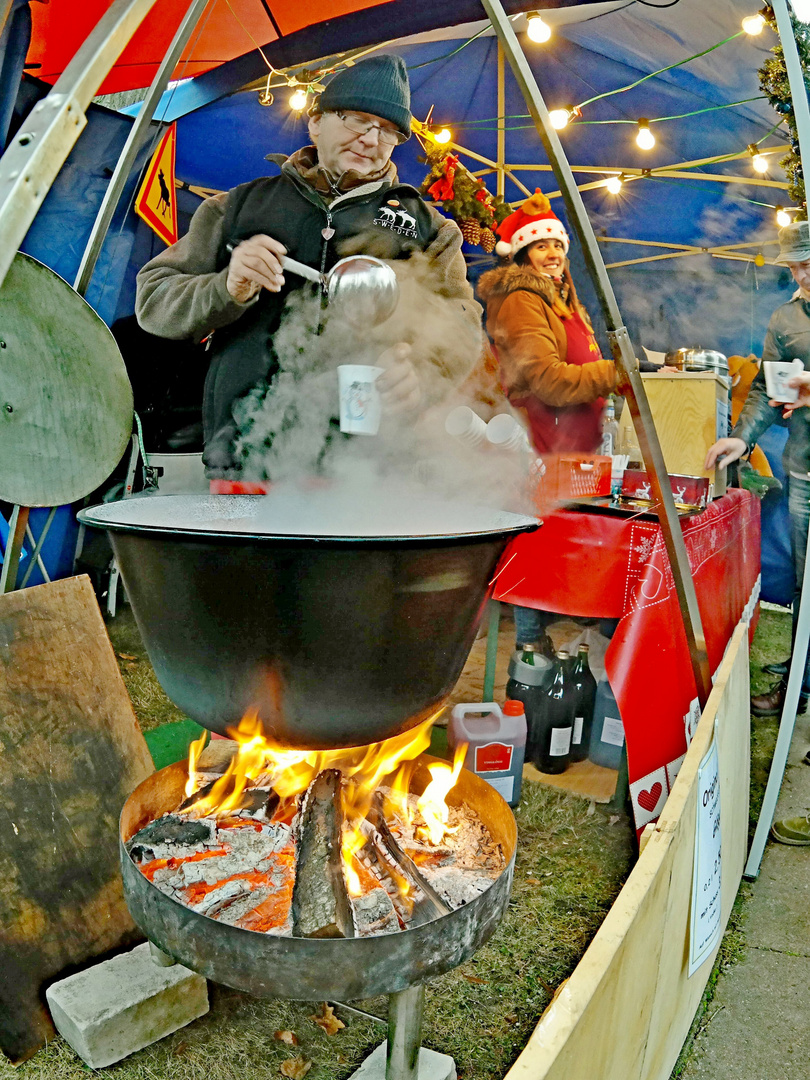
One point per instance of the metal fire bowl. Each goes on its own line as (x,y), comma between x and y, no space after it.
(309,969)
(333,640)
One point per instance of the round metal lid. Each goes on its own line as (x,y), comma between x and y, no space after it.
(321,514)
(65,398)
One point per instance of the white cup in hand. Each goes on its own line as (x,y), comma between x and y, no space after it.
(360,405)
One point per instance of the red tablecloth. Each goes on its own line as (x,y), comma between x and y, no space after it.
(594,565)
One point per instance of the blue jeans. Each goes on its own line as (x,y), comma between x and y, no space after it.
(799,507)
(530,624)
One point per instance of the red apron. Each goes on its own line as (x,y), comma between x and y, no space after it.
(569,427)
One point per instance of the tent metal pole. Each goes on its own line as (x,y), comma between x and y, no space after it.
(630,384)
(38,151)
(501,110)
(787,722)
(137,137)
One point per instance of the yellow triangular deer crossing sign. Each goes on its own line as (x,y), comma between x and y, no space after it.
(157,200)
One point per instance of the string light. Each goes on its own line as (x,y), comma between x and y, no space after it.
(644,137)
(759,162)
(614,184)
(537,30)
(559,118)
(753,24)
(298,100)
(442,136)
(782,216)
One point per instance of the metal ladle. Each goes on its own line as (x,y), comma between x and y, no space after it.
(364,289)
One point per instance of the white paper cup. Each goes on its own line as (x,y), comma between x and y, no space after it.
(505,432)
(360,406)
(777,373)
(464,424)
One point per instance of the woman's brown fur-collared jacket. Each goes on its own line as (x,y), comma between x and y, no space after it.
(526,322)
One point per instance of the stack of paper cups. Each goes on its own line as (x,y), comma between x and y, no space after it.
(467,426)
(505,432)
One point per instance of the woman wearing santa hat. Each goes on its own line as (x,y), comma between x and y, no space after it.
(550,362)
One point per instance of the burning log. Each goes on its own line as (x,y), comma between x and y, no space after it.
(159,838)
(320,901)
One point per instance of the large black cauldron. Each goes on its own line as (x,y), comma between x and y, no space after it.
(340,626)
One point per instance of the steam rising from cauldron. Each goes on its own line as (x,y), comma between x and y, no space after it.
(288,430)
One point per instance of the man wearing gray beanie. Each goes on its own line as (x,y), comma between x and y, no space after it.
(340,196)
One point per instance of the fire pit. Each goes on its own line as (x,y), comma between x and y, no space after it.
(392,957)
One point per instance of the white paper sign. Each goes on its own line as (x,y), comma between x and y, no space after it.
(704,930)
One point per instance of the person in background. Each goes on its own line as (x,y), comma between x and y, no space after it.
(550,363)
(337,197)
(788,337)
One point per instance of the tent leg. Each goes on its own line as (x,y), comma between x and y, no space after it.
(32,161)
(787,721)
(631,384)
(137,137)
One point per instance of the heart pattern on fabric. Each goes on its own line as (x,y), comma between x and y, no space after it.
(649,799)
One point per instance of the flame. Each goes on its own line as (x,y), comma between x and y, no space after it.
(194,752)
(431,803)
(289,772)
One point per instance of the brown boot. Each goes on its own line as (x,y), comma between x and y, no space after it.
(771,704)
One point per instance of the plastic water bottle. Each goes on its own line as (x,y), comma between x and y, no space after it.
(496,741)
(607,734)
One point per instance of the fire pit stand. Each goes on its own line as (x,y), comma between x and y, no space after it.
(318,969)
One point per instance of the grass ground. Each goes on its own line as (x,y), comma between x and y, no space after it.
(571,863)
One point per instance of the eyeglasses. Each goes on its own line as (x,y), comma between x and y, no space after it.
(355,123)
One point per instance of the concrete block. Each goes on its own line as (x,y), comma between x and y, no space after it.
(432,1065)
(113,1009)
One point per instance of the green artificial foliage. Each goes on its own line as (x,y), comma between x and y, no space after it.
(464,204)
(773,79)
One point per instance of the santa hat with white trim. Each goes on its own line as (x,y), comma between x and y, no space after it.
(534,220)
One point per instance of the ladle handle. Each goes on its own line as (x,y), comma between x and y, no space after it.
(304,271)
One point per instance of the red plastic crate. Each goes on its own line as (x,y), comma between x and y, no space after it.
(572,476)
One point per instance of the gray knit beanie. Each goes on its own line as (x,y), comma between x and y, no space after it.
(378,85)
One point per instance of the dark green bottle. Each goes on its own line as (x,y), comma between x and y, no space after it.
(552,748)
(584,689)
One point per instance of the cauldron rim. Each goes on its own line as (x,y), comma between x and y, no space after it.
(100,517)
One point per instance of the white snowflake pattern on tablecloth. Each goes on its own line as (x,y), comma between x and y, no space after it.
(645,547)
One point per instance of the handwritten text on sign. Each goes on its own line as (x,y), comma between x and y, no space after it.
(707,874)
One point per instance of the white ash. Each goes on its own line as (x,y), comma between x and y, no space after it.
(456,886)
(373,913)
(217,899)
(250,849)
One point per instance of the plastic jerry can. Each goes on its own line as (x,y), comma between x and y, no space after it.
(496,741)
(607,733)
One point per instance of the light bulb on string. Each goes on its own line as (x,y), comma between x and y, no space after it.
(782,216)
(759,163)
(444,135)
(644,137)
(759,259)
(537,30)
(559,118)
(298,100)
(614,184)
(753,24)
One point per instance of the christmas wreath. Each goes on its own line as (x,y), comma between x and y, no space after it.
(464,198)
